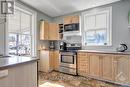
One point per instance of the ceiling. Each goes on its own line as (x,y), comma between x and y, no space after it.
(55,8)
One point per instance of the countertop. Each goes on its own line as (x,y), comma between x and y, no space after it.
(15,60)
(106,52)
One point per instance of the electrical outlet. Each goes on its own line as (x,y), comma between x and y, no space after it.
(3,73)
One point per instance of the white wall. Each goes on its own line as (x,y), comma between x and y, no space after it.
(120,31)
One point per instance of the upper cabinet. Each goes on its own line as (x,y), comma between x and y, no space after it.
(44,30)
(71,19)
(49,31)
(53,31)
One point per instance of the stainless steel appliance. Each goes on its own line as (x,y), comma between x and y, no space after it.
(71,27)
(68,62)
(63,46)
(68,59)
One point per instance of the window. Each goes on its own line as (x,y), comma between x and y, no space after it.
(21,33)
(97,28)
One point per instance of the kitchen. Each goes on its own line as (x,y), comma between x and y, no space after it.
(73,44)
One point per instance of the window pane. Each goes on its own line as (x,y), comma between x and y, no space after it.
(14,22)
(25,23)
(101,37)
(13,39)
(19,44)
(19,33)
(90,38)
(97,37)
(25,46)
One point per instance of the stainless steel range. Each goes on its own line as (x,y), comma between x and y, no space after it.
(68,59)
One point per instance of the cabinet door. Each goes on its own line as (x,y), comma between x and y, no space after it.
(75,19)
(121,66)
(94,65)
(56,60)
(44,30)
(68,19)
(107,66)
(51,60)
(53,31)
(44,61)
(83,64)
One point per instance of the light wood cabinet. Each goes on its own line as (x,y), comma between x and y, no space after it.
(107,66)
(110,67)
(24,75)
(71,19)
(44,61)
(94,64)
(53,31)
(44,30)
(122,68)
(49,31)
(49,60)
(83,64)
(56,60)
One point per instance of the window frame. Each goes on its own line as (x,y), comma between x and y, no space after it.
(33,31)
(109,25)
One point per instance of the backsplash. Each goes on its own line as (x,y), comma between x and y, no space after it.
(73,39)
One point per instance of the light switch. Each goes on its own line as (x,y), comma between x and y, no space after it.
(3,73)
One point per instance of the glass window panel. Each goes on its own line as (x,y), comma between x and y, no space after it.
(97,37)
(14,22)
(19,34)
(25,22)
(13,43)
(101,37)
(90,37)
(25,45)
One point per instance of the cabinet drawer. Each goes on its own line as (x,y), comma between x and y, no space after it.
(82,54)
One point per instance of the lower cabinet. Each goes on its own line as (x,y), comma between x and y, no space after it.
(49,60)
(94,65)
(56,60)
(107,66)
(110,67)
(83,64)
(22,75)
(122,68)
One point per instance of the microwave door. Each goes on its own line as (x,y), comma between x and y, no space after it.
(71,27)
(68,28)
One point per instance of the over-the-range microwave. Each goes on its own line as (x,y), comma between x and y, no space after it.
(71,27)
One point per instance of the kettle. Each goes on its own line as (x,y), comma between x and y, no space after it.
(122,48)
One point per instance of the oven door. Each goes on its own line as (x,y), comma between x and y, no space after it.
(68,60)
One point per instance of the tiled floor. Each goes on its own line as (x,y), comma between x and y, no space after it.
(56,79)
